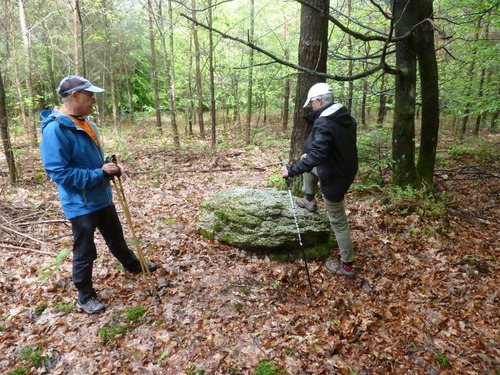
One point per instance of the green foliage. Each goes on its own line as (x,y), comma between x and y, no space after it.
(276,182)
(19,371)
(442,360)
(405,201)
(374,153)
(34,355)
(41,308)
(196,372)
(113,331)
(53,266)
(136,314)
(266,367)
(482,148)
(2,327)
(64,307)
(122,323)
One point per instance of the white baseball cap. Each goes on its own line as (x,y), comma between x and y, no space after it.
(317,90)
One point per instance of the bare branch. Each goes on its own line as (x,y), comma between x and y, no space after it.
(381,66)
(388,16)
(353,33)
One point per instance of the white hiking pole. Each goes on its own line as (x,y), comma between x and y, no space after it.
(298,231)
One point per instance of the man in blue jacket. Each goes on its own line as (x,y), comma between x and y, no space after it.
(331,157)
(72,156)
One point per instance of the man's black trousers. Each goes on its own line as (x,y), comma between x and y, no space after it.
(84,249)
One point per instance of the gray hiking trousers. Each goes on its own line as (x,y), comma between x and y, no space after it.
(336,215)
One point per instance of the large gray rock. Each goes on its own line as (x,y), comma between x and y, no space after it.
(261,221)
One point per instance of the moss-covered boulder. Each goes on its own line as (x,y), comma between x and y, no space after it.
(261,221)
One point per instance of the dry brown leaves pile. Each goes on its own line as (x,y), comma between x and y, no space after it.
(423,301)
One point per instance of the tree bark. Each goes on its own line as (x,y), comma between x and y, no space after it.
(199,88)
(213,116)
(27,69)
(428,68)
(248,122)
(76,55)
(477,126)
(313,47)
(403,130)
(4,130)
(15,65)
(154,69)
(286,94)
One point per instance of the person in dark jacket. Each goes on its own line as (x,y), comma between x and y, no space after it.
(331,158)
(72,157)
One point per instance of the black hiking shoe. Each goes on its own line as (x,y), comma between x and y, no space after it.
(138,269)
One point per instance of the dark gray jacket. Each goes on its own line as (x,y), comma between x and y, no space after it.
(331,148)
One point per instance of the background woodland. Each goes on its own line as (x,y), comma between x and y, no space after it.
(203,96)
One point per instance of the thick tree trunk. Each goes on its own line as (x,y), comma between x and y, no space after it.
(4,131)
(313,47)
(424,41)
(403,131)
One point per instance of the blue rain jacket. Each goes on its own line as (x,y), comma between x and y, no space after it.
(73,161)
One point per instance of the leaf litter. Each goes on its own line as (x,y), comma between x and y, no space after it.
(418,295)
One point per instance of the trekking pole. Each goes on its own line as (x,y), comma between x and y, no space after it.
(288,180)
(144,266)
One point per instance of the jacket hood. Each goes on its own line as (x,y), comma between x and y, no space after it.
(49,115)
(333,111)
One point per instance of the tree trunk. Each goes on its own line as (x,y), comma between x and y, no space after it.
(363,103)
(171,91)
(382,102)
(248,122)
(477,126)
(199,88)
(313,46)
(154,67)
(350,95)
(403,131)
(76,55)
(469,91)
(15,65)
(27,69)
(4,131)
(213,114)
(286,95)
(424,42)
(494,119)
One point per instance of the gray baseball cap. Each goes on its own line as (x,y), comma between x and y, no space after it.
(71,84)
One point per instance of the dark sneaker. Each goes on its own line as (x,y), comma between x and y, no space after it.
(138,269)
(310,206)
(336,269)
(92,306)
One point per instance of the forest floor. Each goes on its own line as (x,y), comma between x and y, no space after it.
(423,301)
